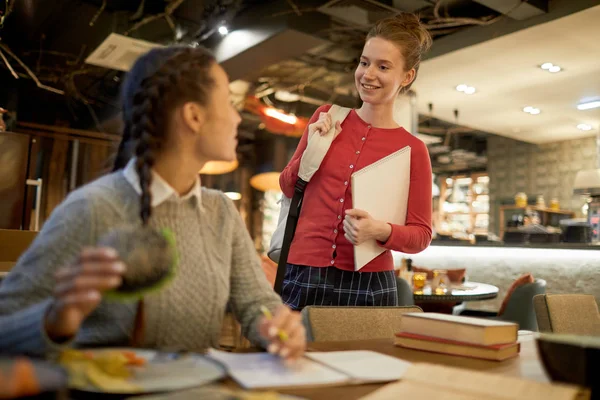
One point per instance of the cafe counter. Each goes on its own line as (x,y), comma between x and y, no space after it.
(567,268)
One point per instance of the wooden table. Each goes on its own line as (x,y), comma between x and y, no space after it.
(527,365)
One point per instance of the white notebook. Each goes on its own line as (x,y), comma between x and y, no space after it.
(266,371)
(381,189)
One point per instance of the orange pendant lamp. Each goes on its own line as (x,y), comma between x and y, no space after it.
(276,121)
(266,181)
(219,167)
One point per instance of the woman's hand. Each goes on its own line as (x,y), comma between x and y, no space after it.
(79,288)
(285,333)
(359,227)
(323,125)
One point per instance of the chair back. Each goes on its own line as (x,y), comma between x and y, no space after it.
(324,323)
(575,314)
(405,293)
(13,243)
(520,309)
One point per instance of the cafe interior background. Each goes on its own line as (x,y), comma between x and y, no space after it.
(507,101)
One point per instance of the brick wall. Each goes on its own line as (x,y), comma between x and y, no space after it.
(547,169)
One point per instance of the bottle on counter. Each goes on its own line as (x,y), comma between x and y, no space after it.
(406,271)
(521,199)
(540,202)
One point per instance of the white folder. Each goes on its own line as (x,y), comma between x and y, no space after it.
(381,189)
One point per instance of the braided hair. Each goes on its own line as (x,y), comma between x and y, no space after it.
(159,82)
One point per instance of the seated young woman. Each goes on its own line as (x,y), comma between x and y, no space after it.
(177,116)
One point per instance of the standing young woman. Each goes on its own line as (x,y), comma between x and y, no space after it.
(177,116)
(320,268)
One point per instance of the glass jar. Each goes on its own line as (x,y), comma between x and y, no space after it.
(521,199)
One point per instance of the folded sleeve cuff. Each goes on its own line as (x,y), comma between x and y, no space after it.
(24,333)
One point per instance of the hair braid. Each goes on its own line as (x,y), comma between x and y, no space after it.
(146,135)
(159,82)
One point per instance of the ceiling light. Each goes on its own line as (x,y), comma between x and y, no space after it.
(548,66)
(531,110)
(288,119)
(223,30)
(465,88)
(584,127)
(233,195)
(284,95)
(589,105)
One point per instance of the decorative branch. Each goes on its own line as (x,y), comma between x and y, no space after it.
(10,68)
(169,9)
(30,72)
(294,7)
(100,11)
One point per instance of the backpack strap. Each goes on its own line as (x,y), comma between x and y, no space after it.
(288,236)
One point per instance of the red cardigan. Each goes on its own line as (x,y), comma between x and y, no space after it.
(319,239)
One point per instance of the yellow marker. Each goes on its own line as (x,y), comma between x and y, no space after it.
(282,335)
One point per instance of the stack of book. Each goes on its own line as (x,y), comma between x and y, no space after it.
(460,336)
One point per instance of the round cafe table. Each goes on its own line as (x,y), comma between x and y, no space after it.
(457,293)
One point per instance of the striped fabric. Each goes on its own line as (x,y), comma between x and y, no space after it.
(305,286)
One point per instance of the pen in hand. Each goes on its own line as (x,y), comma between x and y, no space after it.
(283,336)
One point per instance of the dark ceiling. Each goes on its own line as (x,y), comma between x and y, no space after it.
(48,41)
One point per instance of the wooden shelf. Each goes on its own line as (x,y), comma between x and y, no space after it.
(535,208)
(546,213)
(470,196)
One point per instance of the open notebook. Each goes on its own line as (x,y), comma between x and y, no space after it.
(263,370)
(381,189)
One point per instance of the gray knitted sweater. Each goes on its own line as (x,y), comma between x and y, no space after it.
(218,264)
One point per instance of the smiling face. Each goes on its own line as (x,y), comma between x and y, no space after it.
(381,72)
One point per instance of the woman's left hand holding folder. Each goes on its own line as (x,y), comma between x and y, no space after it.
(360,226)
(284,331)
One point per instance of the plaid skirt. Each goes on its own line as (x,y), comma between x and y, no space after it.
(328,286)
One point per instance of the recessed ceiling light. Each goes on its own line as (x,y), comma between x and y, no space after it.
(223,30)
(584,127)
(531,110)
(466,89)
(588,105)
(548,66)
(233,195)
